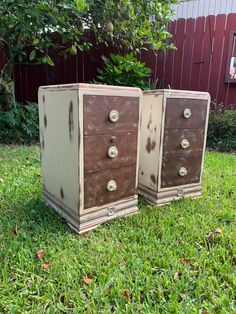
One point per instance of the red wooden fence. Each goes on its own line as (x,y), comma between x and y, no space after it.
(199,63)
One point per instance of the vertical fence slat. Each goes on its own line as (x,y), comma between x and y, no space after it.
(197,54)
(206,53)
(178,54)
(187,54)
(169,56)
(217,53)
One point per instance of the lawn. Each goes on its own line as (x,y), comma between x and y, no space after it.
(164,260)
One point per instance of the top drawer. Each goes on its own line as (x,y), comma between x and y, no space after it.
(182,113)
(110,114)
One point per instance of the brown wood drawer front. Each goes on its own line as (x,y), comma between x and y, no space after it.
(174,117)
(97,109)
(95,186)
(96,151)
(174,141)
(170,171)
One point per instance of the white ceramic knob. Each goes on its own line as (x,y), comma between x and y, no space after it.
(184,143)
(183,172)
(112,152)
(114,115)
(111,186)
(187,113)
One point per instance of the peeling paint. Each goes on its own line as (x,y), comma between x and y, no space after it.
(150,145)
(45,120)
(62,193)
(153,178)
(71,121)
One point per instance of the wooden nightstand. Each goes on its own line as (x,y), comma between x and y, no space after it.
(89,138)
(172,144)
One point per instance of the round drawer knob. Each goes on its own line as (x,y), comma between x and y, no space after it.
(111,186)
(183,172)
(187,113)
(114,115)
(184,143)
(112,152)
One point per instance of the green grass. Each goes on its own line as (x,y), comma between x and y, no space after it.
(134,262)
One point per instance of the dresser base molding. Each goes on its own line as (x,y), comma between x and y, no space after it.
(162,198)
(87,222)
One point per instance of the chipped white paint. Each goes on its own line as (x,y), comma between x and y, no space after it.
(153,112)
(62,151)
(150,138)
(59,154)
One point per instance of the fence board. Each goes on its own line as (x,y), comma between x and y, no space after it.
(177,64)
(187,54)
(197,54)
(206,54)
(216,55)
(169,59)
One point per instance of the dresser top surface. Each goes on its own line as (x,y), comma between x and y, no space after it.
(178,93)
(92,87)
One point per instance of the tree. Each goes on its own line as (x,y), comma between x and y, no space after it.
(30,30)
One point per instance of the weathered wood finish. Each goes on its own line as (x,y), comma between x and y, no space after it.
(170,168)
(163,181)
(95,186)
(174,118)
(172,143)
(96,151)
(96,114)
(150,137)
(75,136)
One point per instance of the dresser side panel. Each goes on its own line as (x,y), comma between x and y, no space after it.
(150,135)
(58,114)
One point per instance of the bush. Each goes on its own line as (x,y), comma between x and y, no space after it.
(222,130)
(124,71)
(20,124)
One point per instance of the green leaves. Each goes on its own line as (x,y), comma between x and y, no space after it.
(31,30)
(49,61)
(124,71)
(81,5)
(32,55)
(73,50)
(57,24)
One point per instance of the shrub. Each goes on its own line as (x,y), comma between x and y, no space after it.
(222,130)
(20,124)
(124,71)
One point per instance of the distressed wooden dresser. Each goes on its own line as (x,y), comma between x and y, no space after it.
(89,151)
(172,143)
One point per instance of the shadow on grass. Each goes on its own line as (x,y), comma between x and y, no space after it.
(34,218)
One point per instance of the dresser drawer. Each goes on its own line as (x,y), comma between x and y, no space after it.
(180,171)
(110,114)
(183,143)
(185,113)
(97,185)
(109,151)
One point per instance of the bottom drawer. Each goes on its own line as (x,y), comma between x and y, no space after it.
(96,186)
(180,171)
